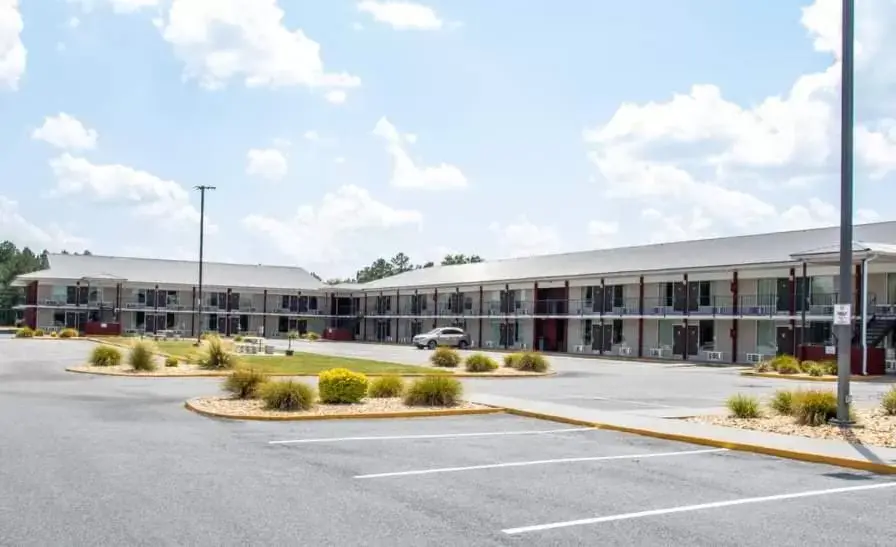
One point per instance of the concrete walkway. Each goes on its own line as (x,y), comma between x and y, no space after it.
(842,453)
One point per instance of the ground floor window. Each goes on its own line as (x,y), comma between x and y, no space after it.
(707,334)
(244,323)
(666,336)
(586,331)
(618,337)
(766,337)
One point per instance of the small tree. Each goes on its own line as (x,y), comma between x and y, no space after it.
(290,336)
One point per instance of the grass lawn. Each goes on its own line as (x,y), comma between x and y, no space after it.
(299,363)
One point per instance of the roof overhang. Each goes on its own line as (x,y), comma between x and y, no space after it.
(861,251)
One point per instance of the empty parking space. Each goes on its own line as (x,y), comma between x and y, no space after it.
(515,480)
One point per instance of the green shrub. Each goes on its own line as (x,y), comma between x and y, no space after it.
(216,356)
(479,362)
(829,366)
(445,357)
(807,364)
(25,332)
(238,338)
(105,356)
(763,366)
(531,361)
(782,402)
(171,361)
(433,391)
(743,406)
(814,369)
(68,333)
(814,407)
(312,336)
(54,335)
(244,383)
(888,402)
(511,359)
(286,395)
(386,387)
(788,367)
(341,386)
(142,357)
(39,332)
(789,362)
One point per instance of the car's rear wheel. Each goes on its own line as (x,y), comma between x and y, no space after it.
(462,344)
(432,344)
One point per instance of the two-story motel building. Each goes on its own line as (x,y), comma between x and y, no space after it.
(734,299)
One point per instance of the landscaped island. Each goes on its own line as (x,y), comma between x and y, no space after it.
(340,393)
(807,413)
(215,356)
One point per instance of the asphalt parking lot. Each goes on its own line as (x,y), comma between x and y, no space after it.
(117,461)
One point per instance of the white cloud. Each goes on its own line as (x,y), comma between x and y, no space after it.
(118,6)
(73,22)
(12,50)
(336,96)
(222,40)
(150,195)
(267,163)
(66,132)
(402,15)
(406,173)
(311,135)
(708,155)
(602,228)
(16,228)
(523,238)
(339,159)
(335,229)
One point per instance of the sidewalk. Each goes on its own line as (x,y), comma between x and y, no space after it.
(840,453)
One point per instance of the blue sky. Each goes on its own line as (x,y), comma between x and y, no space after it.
(498,128)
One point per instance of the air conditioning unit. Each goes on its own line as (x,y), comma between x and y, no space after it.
(754,357)
(713,355)
(624,350)
(656,352)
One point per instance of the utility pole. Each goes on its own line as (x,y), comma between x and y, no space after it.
(202,190)
(844,337)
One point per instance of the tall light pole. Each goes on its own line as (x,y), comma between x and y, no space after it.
(202,190)
(844,336)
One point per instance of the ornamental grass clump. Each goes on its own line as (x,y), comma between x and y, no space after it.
(743,406)
(386,387)
(445,357)
(216,356)
(287,395)
(244,383)
(530,361)
(433,391)
(814,407)
(479,362)
(105,356)
(141,357)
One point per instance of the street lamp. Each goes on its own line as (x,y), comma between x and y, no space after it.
(844,336)
(202,190)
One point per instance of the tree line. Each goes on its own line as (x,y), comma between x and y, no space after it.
(400,263)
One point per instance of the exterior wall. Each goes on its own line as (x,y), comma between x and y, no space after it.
(574,333)
(630,334)
(746,337)
(651,335)
(723,341)
(877,288)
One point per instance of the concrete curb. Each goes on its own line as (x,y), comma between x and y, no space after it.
(862,465)
(807,378)
(372,416)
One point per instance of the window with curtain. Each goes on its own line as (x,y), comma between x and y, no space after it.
(891,289)
(665,333)
(767,292)
(766,337)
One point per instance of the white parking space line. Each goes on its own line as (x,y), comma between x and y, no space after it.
(538,462)
(699,507)
(436,436)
